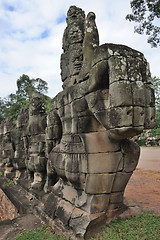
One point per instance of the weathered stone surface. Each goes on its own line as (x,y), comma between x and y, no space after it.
(64,211)
(123,95)
(99,183)
(131,153)
(99,203)
(120,181)
(51,205)
(104,162)
(118,68)
(100,142)
(116,197)
(80,221)
(80,153)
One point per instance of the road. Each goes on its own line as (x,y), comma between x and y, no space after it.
(149,158)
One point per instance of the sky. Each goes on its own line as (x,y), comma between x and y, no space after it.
(31,34)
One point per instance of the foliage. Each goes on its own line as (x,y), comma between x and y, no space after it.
(27,86)
(156,85)
(147,14)
(2,109)
(11,106)
(7,183)
(143,226)
(40,234)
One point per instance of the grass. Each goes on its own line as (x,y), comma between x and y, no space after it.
(42,233)
(7,183)
(1,173)
(145,226)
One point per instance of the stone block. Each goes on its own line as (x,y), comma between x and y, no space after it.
(99,183)
(116,197)
(65,191)
(131,153)
(139,116)
(85,225)
(149,95)
(120,181)
(64,211)
(79,222)
(135,66)
(123,95)
(99,76)
(148,77)
(138,90)
(117,68)
(99,203)
(51,204)
(120,117)
(79,108)
(99,142)
(116,117)
(98,100)
(104,162)
(149,118)
(87,124)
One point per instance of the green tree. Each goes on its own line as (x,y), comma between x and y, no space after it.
(156,85)
(11,106)
(147,14)
(27,86)
(2,110)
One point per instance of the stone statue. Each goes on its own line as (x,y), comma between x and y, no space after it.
(107,98)
(35,142)
(81,154)
(19,160)
(1,142)
(8,147)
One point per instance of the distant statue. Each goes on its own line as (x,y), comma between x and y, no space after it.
(8,147)
(36,162)
(107,98)
(19,159)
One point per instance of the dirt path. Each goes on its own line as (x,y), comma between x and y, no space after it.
(144,185)
(149,158)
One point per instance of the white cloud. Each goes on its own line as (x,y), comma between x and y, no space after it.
(31,37)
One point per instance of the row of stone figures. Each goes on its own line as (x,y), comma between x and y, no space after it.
(81,152)
(23,144)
